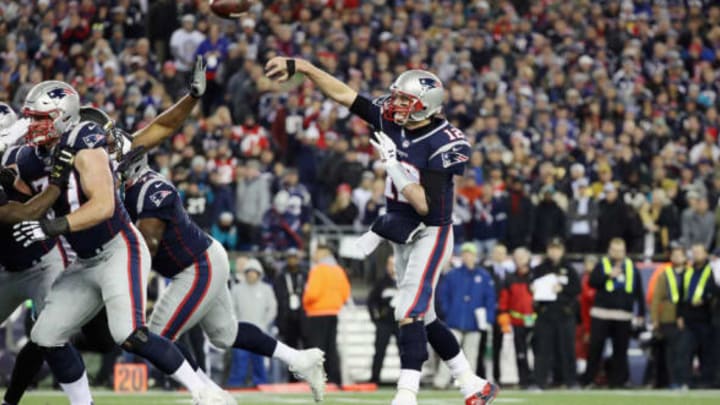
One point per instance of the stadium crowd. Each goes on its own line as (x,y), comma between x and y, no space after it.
(591,121)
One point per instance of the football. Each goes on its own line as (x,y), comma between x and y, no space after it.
(230,8)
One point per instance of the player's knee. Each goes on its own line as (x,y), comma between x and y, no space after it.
(223,338)
(136,340)
(413,344)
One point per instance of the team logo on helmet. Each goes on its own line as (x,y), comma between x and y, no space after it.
(159,196)
(59,93)
(4,109)
(429,83)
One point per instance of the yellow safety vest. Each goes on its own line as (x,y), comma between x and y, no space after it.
(700,287)
(672,283)
(629,279)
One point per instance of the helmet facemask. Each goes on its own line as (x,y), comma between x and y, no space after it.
(41,130)
(399,107)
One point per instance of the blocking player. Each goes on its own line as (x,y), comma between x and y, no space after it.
(113,261)
(422,152)
(29,271)
(199,268)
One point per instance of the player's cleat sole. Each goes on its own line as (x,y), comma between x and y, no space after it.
(310,368)
(484,397)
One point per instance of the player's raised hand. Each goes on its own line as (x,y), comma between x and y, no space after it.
(29,232)
(385,147)
(62,164)
(280,69)
(199,81)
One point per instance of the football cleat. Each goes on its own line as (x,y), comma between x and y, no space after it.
(309,367)
(209,396)
(485,396)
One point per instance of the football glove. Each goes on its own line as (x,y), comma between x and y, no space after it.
(199,81)
(29,232)
(62,165)
(385,147)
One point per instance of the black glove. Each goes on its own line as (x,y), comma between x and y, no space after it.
(3,196)
(62,165)
(7,177)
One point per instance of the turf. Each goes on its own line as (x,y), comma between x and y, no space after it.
(639,397)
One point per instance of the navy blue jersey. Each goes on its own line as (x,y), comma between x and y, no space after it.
(183,242)
(33,168)
(22,258)
(431,155)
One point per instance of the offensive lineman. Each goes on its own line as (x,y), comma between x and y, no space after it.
(29,272)
(113,262)
(199,268)
(422,152)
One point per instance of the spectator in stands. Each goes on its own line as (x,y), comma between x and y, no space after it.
(582,220)
(381,306)
(183,45)
(281,227)
(665,321)
(619,287)
(698,224)
(343,211)
(661,220)
(326,292)
(612,216)
(362,194)
(214,50)
(466,297)
(695,317)
(516,311)
(254,302)
(196,200)
(289,288)
(520,216)
(549,220)
(490,219)
(556,318)
(224,231)
(252,200)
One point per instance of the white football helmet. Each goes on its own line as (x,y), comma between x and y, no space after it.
(7,116)
(54,108)
(414,96)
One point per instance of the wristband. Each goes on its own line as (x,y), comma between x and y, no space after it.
(290,67)
(399,175)
(56,226)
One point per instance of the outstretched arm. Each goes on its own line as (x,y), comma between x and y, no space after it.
(165,124)
(14,212)
(282,69)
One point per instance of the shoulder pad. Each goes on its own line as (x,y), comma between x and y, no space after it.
(85,135)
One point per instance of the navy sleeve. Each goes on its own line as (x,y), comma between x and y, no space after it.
(452,156)
(158,200)
(367,110)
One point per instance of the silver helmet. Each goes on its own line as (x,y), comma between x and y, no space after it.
(133,165)
(118,140)
(54,107)
(7,116)
(414,96)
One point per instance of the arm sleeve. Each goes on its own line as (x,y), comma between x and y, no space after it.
(158,201)
(451,158)
(367,110)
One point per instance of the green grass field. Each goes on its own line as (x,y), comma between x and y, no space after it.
(426,398)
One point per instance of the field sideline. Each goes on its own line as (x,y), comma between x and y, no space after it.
(383,397)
